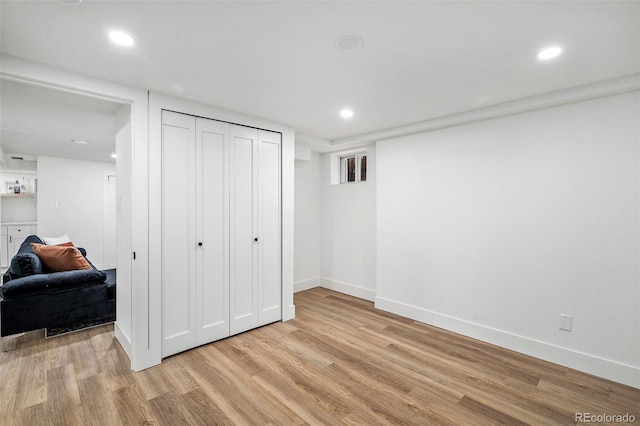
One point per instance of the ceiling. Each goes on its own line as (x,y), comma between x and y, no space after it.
(278,60)
(39,121)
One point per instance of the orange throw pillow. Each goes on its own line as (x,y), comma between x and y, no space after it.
(67,244)
(60,258)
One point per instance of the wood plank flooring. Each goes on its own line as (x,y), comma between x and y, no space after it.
(339,362)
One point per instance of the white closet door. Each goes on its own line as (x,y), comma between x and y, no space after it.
(269,250)
(178,233)
(212,180)
(243,227)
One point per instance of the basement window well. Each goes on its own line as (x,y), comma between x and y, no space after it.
(349,167)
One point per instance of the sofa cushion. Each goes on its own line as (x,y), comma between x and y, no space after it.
(26,263)
(55,281)
(57,240)
(61,258)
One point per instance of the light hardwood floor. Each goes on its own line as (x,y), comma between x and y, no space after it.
(339,362)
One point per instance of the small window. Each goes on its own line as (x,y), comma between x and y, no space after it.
(353,168)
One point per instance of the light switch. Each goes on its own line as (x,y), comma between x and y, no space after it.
(565,322)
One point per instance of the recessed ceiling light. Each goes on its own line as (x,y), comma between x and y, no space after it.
(349,43)
(114,156)
(121,38)
(79,141)
(549,53)
(346,113)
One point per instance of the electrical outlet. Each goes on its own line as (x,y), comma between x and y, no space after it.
(565,322)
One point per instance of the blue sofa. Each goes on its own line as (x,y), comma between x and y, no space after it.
(32,298)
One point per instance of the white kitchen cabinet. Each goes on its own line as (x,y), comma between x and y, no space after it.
(4,248)
(221,230)
(12,237)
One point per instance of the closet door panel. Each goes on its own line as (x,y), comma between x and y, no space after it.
(212,169)
(178,233)
(269,250)
(243,289)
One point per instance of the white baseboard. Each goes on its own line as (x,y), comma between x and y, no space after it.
(350,289)
(601,367)
(341,287)
(608,369)
(122,339)
(306,284)
(289,313)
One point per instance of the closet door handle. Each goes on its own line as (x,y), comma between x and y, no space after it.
(200,244)
(255,239)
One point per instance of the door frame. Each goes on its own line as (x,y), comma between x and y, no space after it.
(136,340)
(142,342)
(110,214)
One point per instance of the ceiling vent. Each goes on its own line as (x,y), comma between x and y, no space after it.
(349,43)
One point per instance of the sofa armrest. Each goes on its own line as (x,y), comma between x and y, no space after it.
(24,264)
(33,284)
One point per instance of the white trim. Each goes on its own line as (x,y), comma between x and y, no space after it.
(306,284)
(608,369)
(347,288)
(351,152)
(122,338)
(106,248)
(37,74)
(340,287)
(141,353)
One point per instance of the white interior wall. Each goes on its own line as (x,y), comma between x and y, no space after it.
(123,327)
(308,221)
(494,229)
(71,201)
(349,232)
(19,210)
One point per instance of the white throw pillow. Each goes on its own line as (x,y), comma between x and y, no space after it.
(55,241)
